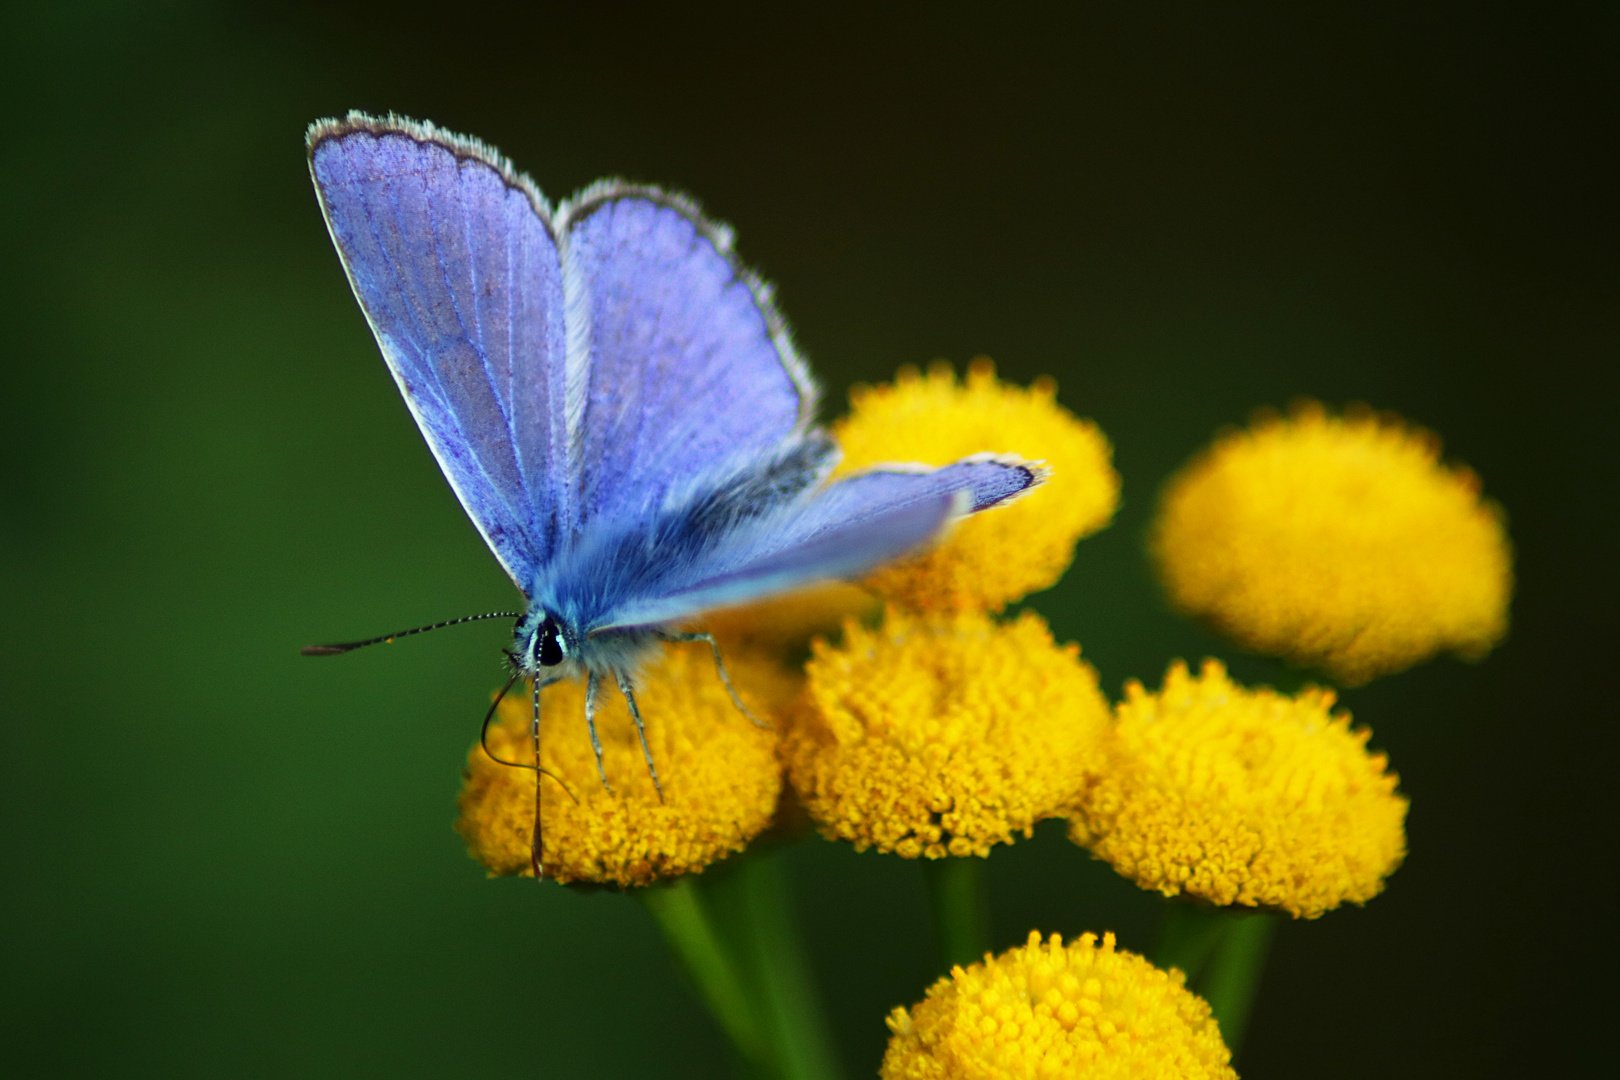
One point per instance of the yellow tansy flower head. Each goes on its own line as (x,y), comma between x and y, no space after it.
(1245,797)
(1005,553)
(719,771)
(1054,1010)
(943,735)
(1340,542)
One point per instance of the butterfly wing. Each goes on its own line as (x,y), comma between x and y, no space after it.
(678,363)
(453,259)
(987,480)
(845,530)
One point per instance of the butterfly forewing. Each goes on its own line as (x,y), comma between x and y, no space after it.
(452,259)
(689,369)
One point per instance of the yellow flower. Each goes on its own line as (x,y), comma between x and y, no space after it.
(943,735)
(1338,542)
(1002,554)
(719,771)
(1244,797)
(1053,1010)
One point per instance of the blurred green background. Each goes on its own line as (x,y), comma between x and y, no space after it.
(224,860)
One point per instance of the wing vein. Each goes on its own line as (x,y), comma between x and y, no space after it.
(428,368)
(502,404)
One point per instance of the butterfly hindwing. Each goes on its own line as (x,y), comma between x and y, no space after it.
(984,481)
(453,260)
(680,364)
(842,531)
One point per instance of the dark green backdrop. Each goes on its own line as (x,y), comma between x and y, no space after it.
(223,860)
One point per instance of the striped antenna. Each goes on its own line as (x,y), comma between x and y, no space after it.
(350,646)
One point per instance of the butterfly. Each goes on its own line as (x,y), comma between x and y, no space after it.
(615,399)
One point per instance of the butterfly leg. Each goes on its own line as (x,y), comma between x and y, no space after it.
(592,687)
(720,668)
(641,731)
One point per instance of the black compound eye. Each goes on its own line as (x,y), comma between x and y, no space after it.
(548,644)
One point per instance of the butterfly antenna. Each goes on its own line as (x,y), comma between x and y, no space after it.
(350,646)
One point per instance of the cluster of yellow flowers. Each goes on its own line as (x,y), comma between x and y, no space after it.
(719,775)
(942,735)
(1243,797)
(1050,1010)
(944,730)
(938,730)
(1342,543)
(909,715)
(989,560)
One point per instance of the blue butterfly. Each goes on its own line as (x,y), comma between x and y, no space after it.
(614,398)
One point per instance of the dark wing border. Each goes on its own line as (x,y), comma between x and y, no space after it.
(464,147)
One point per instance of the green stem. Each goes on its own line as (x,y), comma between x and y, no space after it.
(789,1006)
(1188,937)
(956,891)
(1233,975)
(678,909)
